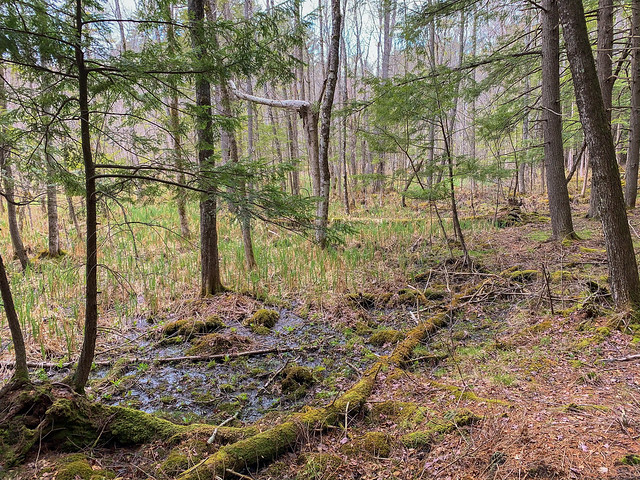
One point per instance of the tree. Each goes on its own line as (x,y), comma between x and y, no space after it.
(633,153)
(211,282)
(559,208)
(21,372)
(6,171)
(623,270)
(318,139)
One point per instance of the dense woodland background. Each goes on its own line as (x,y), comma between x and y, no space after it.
(337,171)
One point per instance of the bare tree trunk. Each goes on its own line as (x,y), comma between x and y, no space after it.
(294,153)
(52,210)
(633,154)
(74,217)
(6,171)
(21,372)
(91,290)
(322,212)
(118,13)
(623,270)
(605,77)
(559,208)
(176,133)
(211,281)
(343,146)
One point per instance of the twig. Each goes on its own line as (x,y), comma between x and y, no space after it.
(273,377)
(621,359)
(547,280)
(212,438)
(239,475)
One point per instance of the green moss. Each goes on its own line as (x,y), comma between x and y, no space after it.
(368,300)
(175,463)
(260,330)
(407,296)
(393,410)
(377,444)
(433,294)
(318,466)
(539,327)
(384,337)
(76,467)
(422,440)
(262,318)
(217,343)
(523,275)
(296,380)
(131,427)
(190,326)
(630,459)
(450,422)
(561,276)
(592,250)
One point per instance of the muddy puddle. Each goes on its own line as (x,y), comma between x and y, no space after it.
(245,387)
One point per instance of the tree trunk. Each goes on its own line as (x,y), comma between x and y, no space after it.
(12,216)
(633,154)
(6,172)
(343,145)
(623,270)
(176,134)
(605,78)
(91,289)
(232,145)
(322,212)
(294,153)
(74,217)
(559,208)
(211,282)
(21,371)
(52,210)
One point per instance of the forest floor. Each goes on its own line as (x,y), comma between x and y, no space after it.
(530,377)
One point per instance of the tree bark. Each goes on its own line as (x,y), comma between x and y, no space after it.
(91,288)
(211,282)
(74,217)
(605,78)
(633,154)
(176,134)
(322,212)
(623,270)
(558,194)
(52,210)
(21,370)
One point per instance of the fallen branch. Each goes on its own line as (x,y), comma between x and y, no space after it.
(622,359)
(150,360)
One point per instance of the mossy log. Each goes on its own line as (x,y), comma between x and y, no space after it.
(54,415)
(450,422)
(270,444)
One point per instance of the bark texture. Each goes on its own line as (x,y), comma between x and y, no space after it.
(633,153)
(623,270)
(322,212)
(21,370)
(559,208)
(91,287)
(211,282)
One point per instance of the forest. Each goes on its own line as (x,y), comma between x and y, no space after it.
(384,239)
